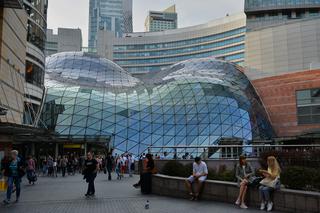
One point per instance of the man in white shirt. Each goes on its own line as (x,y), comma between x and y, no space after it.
(199,175)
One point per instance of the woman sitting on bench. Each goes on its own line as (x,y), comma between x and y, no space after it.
(270,183)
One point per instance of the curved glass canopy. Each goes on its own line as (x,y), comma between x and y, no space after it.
(193,103)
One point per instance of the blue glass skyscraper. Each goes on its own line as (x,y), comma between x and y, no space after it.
(111,15)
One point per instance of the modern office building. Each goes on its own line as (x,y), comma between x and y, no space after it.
(35,58)
(193,103)
(282,59)
(162,20)
(22,60)
(65,40)
(111,15)
(22,36)
(13,34)
(152,51)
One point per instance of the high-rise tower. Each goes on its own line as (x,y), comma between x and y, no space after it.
(111,15)
(162,20)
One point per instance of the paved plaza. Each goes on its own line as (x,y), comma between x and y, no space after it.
(66,195)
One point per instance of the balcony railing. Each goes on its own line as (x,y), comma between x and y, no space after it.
(15,4)
(254,5)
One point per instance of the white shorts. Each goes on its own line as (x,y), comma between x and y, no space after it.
(191,179)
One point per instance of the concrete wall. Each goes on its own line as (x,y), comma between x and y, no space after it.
(284,200)
(69,40)
(282,49)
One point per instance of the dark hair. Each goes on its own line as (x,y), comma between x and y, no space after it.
(197,159)
(149,156)
(241,158)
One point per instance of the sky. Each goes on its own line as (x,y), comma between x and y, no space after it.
(74,13)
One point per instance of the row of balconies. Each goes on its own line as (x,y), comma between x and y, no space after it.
(16,4)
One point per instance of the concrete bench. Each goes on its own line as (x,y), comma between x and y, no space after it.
(284,200)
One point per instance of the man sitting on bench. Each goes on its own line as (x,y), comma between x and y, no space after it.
(199,175)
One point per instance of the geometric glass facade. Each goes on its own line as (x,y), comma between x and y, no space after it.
(192,103)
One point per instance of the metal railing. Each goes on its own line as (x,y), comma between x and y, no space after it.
(227,151)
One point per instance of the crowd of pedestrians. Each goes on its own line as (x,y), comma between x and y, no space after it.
(66,164)
(15,167)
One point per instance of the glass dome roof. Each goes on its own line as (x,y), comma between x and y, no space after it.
(87,70)
(194,103)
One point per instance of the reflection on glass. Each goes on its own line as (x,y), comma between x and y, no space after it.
(193,103)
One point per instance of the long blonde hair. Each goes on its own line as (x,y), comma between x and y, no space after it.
(276,166)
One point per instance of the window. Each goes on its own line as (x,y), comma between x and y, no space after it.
(308,103)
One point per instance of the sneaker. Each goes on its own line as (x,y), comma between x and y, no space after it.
(243,206)
(263,206)
(6,202)
(269,206)
(237,202)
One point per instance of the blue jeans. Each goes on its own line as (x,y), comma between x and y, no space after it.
(265,193)
(17,182)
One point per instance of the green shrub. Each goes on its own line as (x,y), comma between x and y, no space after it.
(212,174)
(299,168)
(302,178)
(174,168)
(310,159)
(227,176)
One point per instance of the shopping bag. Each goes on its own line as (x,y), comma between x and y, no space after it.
(3,185)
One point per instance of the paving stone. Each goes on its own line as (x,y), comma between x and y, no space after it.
(66,195)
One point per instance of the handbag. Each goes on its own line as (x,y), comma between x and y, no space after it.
(255,181)
(3,185)
(271,183)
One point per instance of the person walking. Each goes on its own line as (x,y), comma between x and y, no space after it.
(118,167)
(31,170)
(58,164)
(63,165)
(109,165)
(130,165)
(50,166)
(55,168)
(123,164)
(70,165)
(90,173)
(44,167)
(14,170)
(148,167)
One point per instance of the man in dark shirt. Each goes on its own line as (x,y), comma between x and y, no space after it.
(90,173)
(109,164)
